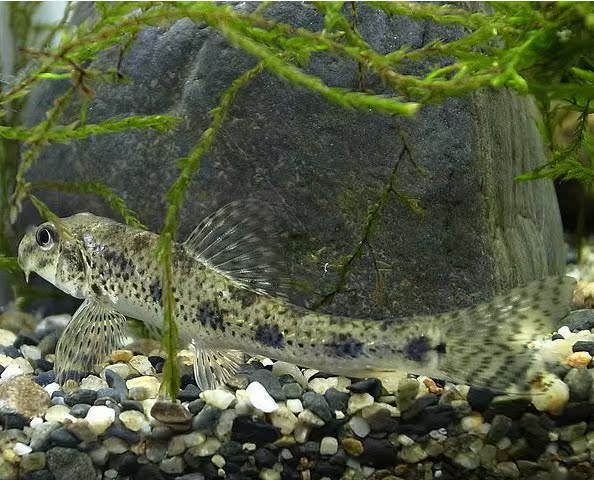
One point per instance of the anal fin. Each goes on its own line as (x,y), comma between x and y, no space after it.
(93,333)
(213,368)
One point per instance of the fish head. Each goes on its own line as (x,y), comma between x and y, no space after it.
(56,253)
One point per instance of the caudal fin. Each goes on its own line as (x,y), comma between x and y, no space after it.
(488,345)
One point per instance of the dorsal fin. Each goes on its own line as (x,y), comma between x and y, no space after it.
(237,241)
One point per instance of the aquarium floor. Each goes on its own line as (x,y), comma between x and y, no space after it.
(276,421)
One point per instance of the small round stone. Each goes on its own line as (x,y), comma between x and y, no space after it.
(121,355)
(93,382)
(57,413)
(142,365)
(79,410)
(150,386)
(294,405)
(578,360)
(579,382)
(328,446)
(218,460)
(292,390)
(170,412)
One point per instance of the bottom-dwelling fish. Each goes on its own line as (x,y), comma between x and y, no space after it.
(224,283)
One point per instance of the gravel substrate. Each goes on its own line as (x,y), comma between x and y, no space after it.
(276,421)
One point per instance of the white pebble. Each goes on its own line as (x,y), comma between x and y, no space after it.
(260,398)
(554,398)
(50,388)
(218,398)
(242,403)
(133,420)
(359,426)
(16,369)
(141,364)
(359,401)
(284,368)
(35,422)
(284,419)
(21,449)
(57,413)
(208,448)
(31,352)
(295,405)
(7,338)
(307,417)
(565,331)
(225,424)
(149,384)
(218,460)
(328,446)
(249,447)
(110,474)
(100,418)
(93,382)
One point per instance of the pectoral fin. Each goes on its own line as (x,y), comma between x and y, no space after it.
(93,333)
(213,368)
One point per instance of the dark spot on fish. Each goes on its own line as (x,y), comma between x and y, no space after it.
(42,263)
(156,291)
(441,348)
(96,289)
(246,297)
(344,346)
(270,335)
(417,348)
(140,242)
(210,316)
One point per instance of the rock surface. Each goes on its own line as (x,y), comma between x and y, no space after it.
(324,165)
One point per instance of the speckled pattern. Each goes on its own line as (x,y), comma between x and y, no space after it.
(116,264)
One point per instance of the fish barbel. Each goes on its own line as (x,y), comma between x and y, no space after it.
(224,283)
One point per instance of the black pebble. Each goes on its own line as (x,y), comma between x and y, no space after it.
(109,393)
(327,469)
(132,405)
(120,431)
(580,320)
(479,398)
(383,422)
(557,336)
(25,340)
(45,378)
(80,396)
(155,360)
(148,472)
(159,367)
(13,420)
(80,410)
(230,449)
(583,346)
(1,369)
(512,408)
(264,458)
(337,400)
(378,452)
(206,419)
(43,364)
(61,437)
(419,405)
(247,429)
(124,464)
(190,393)
(186,379)
(370,385)
(38,475)
(116,382)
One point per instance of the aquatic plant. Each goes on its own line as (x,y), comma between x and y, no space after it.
(544,50)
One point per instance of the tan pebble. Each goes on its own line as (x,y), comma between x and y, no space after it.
(549,394)
(432,386)
(578,360)
(352,446)
(121,355)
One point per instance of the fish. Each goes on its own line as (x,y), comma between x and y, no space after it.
(228,289)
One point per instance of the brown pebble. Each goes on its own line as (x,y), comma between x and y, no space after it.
(352,446)
(22,395)
(432,386)
(170,413)
(578,360)
(121,355)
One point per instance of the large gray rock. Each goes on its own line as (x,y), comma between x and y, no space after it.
(323,166)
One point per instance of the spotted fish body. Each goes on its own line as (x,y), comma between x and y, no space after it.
(224,304)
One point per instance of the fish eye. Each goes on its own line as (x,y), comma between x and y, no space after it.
(46,237)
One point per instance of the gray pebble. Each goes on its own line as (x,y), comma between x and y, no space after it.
(116,382)
(80,410)
(195,406)
(60,437)
(318,405)
(292,390)
(206,418)
(337,400)
(269,382)
(579,382)
(40,438)
(500,425)
(70,464)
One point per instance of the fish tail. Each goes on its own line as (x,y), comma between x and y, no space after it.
(489,345)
